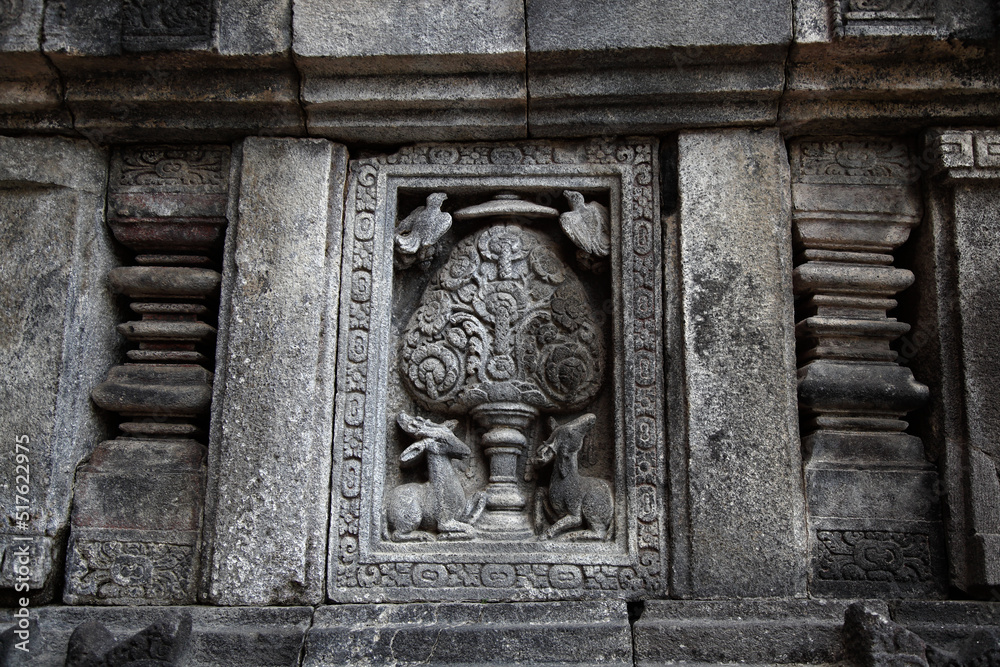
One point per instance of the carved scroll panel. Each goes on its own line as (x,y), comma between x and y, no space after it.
(499,430)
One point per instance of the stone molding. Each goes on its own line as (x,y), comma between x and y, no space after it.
(199,70)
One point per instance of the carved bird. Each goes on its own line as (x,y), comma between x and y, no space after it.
(421,229)
(587,225)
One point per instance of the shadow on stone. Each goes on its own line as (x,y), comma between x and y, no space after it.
(164,643)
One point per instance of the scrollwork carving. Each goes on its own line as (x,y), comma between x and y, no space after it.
(504,319)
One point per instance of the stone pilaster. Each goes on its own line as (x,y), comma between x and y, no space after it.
(138,505)
(55,345)
(965,220)
(873,511)
(267,514)
(738,519)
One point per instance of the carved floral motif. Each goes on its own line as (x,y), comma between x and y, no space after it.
(168,168)
(646,575)
(504,319)
(162,18)
(869,161)
(848,555)
(131,570)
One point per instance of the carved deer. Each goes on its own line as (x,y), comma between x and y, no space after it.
(440,502)
(573,499)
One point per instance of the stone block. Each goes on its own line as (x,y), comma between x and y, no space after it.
(564,234)
(82,28)
(21,26)
(256,27)
(737,511)
(591,633)
(412,72)
(609,67)
(30,94)
(219,636)
(817,21)
(271,444)
(136,519)
(744,631)
(180,98)
(56,343)
(945,622)
(415,106)
(356,37)
(565,25)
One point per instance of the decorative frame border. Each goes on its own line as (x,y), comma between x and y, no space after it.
(357,570)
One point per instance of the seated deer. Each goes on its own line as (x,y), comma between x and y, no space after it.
(572,499)
(440,502)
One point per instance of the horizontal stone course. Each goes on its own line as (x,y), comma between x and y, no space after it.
(402,71)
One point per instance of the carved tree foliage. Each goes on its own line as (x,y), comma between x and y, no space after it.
(505,319)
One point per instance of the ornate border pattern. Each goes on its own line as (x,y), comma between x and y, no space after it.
(352,577)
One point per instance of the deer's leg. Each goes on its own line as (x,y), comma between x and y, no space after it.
(473,508)
(456,530)
(568,522)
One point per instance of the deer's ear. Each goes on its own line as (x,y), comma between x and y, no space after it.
(553,424)
(450,424)
(413,451)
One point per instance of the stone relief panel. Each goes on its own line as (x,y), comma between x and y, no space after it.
(499,431)
(884,17)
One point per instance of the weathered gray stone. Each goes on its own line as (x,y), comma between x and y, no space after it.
(399,107)
(164,643)
(136,514)
(566,25)
(254,27)
(178,97)
(959,284)
(30,93)
(406,71)
(272,445)
(56,343)
(946,623)
(744,631)
(219,636)
(857,67)
(442,488)
(21,26)
(585,633)
(435,36)
(610,67)
(945,19)
(872,640)
(81,27)
(738,516)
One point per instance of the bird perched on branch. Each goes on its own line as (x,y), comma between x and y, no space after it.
(420,230)
(587,225)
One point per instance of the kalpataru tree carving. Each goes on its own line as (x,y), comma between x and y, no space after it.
(504,331)
(570,342)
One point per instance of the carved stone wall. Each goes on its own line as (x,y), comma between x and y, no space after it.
(492,331)
(506,329)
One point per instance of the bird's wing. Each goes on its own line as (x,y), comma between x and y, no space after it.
(409,233)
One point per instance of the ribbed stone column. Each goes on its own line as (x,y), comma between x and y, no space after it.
(873,513)
(138,504)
